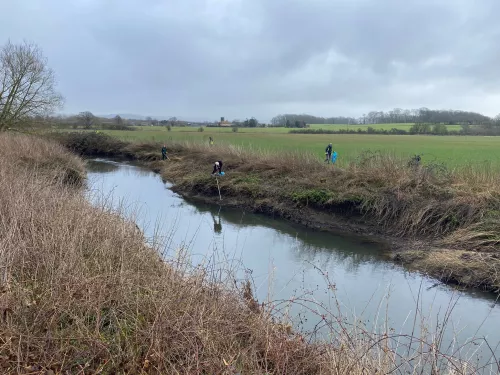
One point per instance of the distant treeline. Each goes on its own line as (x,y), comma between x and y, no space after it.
(420,128)
(396,116)
(87,120)
(472,122)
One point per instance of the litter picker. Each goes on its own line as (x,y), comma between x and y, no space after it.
(218,187)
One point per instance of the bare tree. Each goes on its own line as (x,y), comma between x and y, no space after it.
(496,119)
(87,119)
(27,84)
(172,121)
(118,120)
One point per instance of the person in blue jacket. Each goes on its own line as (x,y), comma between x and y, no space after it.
(334,157)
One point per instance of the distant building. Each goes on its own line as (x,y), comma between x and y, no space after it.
(224,123)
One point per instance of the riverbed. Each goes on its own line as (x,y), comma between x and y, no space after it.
(321,272)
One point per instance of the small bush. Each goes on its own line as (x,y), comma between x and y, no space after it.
(235,129)
(201,129)
(169,128)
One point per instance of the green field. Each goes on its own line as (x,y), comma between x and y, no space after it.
(452,150)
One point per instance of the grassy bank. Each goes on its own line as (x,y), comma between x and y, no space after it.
(444,222)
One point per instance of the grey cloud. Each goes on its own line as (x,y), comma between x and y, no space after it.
(238,58)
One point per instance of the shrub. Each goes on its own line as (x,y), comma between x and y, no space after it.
(439,129)
(420,129)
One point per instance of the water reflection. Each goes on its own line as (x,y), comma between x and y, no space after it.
(217,223)
(106,166)
(99,166)
(306,245)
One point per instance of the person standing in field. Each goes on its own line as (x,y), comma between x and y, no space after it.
(211,141)
(164,152)
(328,153)
(334,157)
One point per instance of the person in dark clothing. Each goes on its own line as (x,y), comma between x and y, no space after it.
(164,153)
(414,161)
(328,153)
(217,167)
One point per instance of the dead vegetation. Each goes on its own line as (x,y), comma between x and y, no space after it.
(44,159)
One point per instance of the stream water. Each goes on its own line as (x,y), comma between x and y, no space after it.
(287,261)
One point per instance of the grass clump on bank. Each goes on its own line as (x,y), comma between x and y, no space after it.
(451,211)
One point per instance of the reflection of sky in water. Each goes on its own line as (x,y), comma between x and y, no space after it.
(283,257)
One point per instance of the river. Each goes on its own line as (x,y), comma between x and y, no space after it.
(287,261)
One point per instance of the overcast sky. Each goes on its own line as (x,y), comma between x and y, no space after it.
(241,58)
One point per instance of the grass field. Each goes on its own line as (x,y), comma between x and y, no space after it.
(454,151)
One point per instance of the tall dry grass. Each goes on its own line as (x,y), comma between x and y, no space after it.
(44,159)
